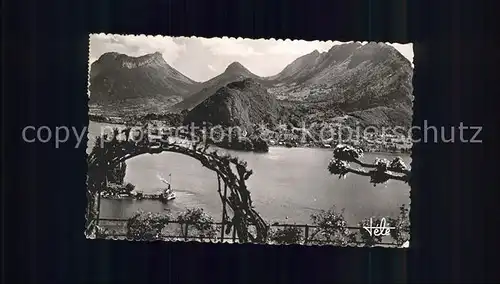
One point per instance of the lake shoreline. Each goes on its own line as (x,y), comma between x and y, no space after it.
(275,146)
(331,149)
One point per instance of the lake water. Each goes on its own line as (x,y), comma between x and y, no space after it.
(287,185)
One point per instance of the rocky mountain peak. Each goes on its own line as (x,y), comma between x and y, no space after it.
(239,103)
(236,68)
(116,60)
(377,53)
(341,52)
(116,78)
(346,46)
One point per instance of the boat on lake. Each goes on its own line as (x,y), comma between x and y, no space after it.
(168,193)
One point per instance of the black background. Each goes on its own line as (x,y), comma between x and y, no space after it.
(44,64)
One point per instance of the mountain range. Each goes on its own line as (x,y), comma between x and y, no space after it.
(367,84)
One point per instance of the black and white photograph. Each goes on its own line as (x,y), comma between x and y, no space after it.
(264,141)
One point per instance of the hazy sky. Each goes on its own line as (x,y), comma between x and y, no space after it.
(201,59)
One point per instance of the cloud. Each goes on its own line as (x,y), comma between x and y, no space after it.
(211,68)
(230,47)
(135,46)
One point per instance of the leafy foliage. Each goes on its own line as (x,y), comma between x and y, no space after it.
(117,175)
(286,235)
(346,157)
(201,221)
(366,238)
(347,153)
(129,187)
(102,232)
(259,144)
(331,228)
(117,189)
(401,233)
(338,167)
(146,226)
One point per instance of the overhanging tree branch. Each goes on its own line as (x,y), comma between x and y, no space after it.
(381,171)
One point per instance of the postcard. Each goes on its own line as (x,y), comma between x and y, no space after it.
(249,141)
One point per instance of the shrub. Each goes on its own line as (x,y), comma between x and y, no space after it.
(401,224)
(129,187)
(366,238)
(101,232)
(286,235)
(200,221)
(117,174)
(146,226)
(331,228)
(260,145)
